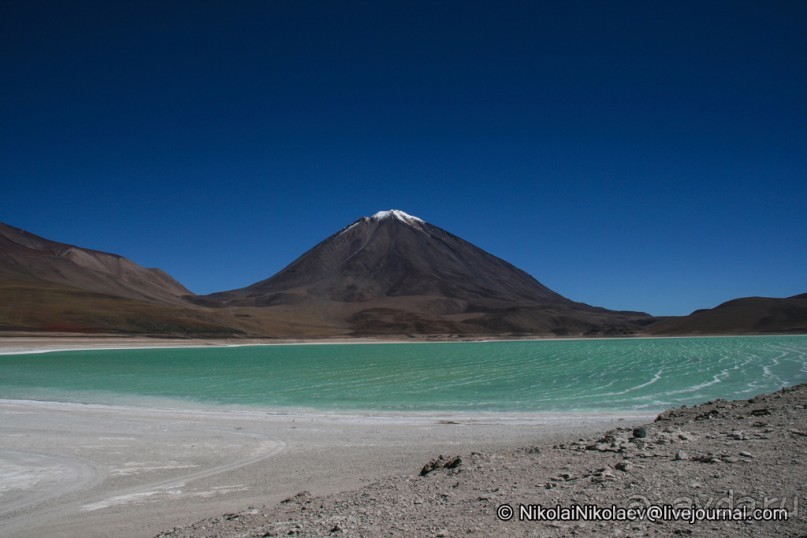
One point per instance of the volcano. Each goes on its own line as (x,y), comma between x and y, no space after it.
(393,273)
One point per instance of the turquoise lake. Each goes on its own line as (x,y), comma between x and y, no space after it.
(523,376)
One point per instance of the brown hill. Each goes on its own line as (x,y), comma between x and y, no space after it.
(50,286)
(750,315)
(393,273)
(30,256)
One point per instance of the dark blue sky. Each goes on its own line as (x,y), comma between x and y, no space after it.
(636,155)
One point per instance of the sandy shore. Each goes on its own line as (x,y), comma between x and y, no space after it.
(17,343)
(92,470)
(42,344)
(12,345)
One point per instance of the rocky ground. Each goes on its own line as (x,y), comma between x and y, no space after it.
(747,454)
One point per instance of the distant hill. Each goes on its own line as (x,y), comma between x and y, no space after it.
(390,274)
(750,315)
(33,257)
(393,273)
(50,286)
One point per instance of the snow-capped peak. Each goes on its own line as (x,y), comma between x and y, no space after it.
(397,214)
(394,214)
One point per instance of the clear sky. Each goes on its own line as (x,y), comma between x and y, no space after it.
(633,155)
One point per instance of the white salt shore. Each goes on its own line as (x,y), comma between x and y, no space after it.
(96,470)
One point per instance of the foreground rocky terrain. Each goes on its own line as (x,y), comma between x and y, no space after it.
(747,454)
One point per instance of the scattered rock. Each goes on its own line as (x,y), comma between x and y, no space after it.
(639,433)
(666,415)
(441,463)
(603,475)
(298,497)
(624,466)
(641,444)
(681,456)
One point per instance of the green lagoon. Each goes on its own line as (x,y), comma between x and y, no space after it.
(518,376)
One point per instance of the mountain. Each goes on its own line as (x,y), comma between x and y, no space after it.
(389,274)
(31,256)
(393,273)
(749,315)
(46,285)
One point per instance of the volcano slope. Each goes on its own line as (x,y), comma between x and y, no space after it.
(395,274)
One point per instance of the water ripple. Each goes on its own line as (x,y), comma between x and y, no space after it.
(581,375)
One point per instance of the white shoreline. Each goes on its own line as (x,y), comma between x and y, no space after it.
(113,470)
(39,344)
(340,415)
